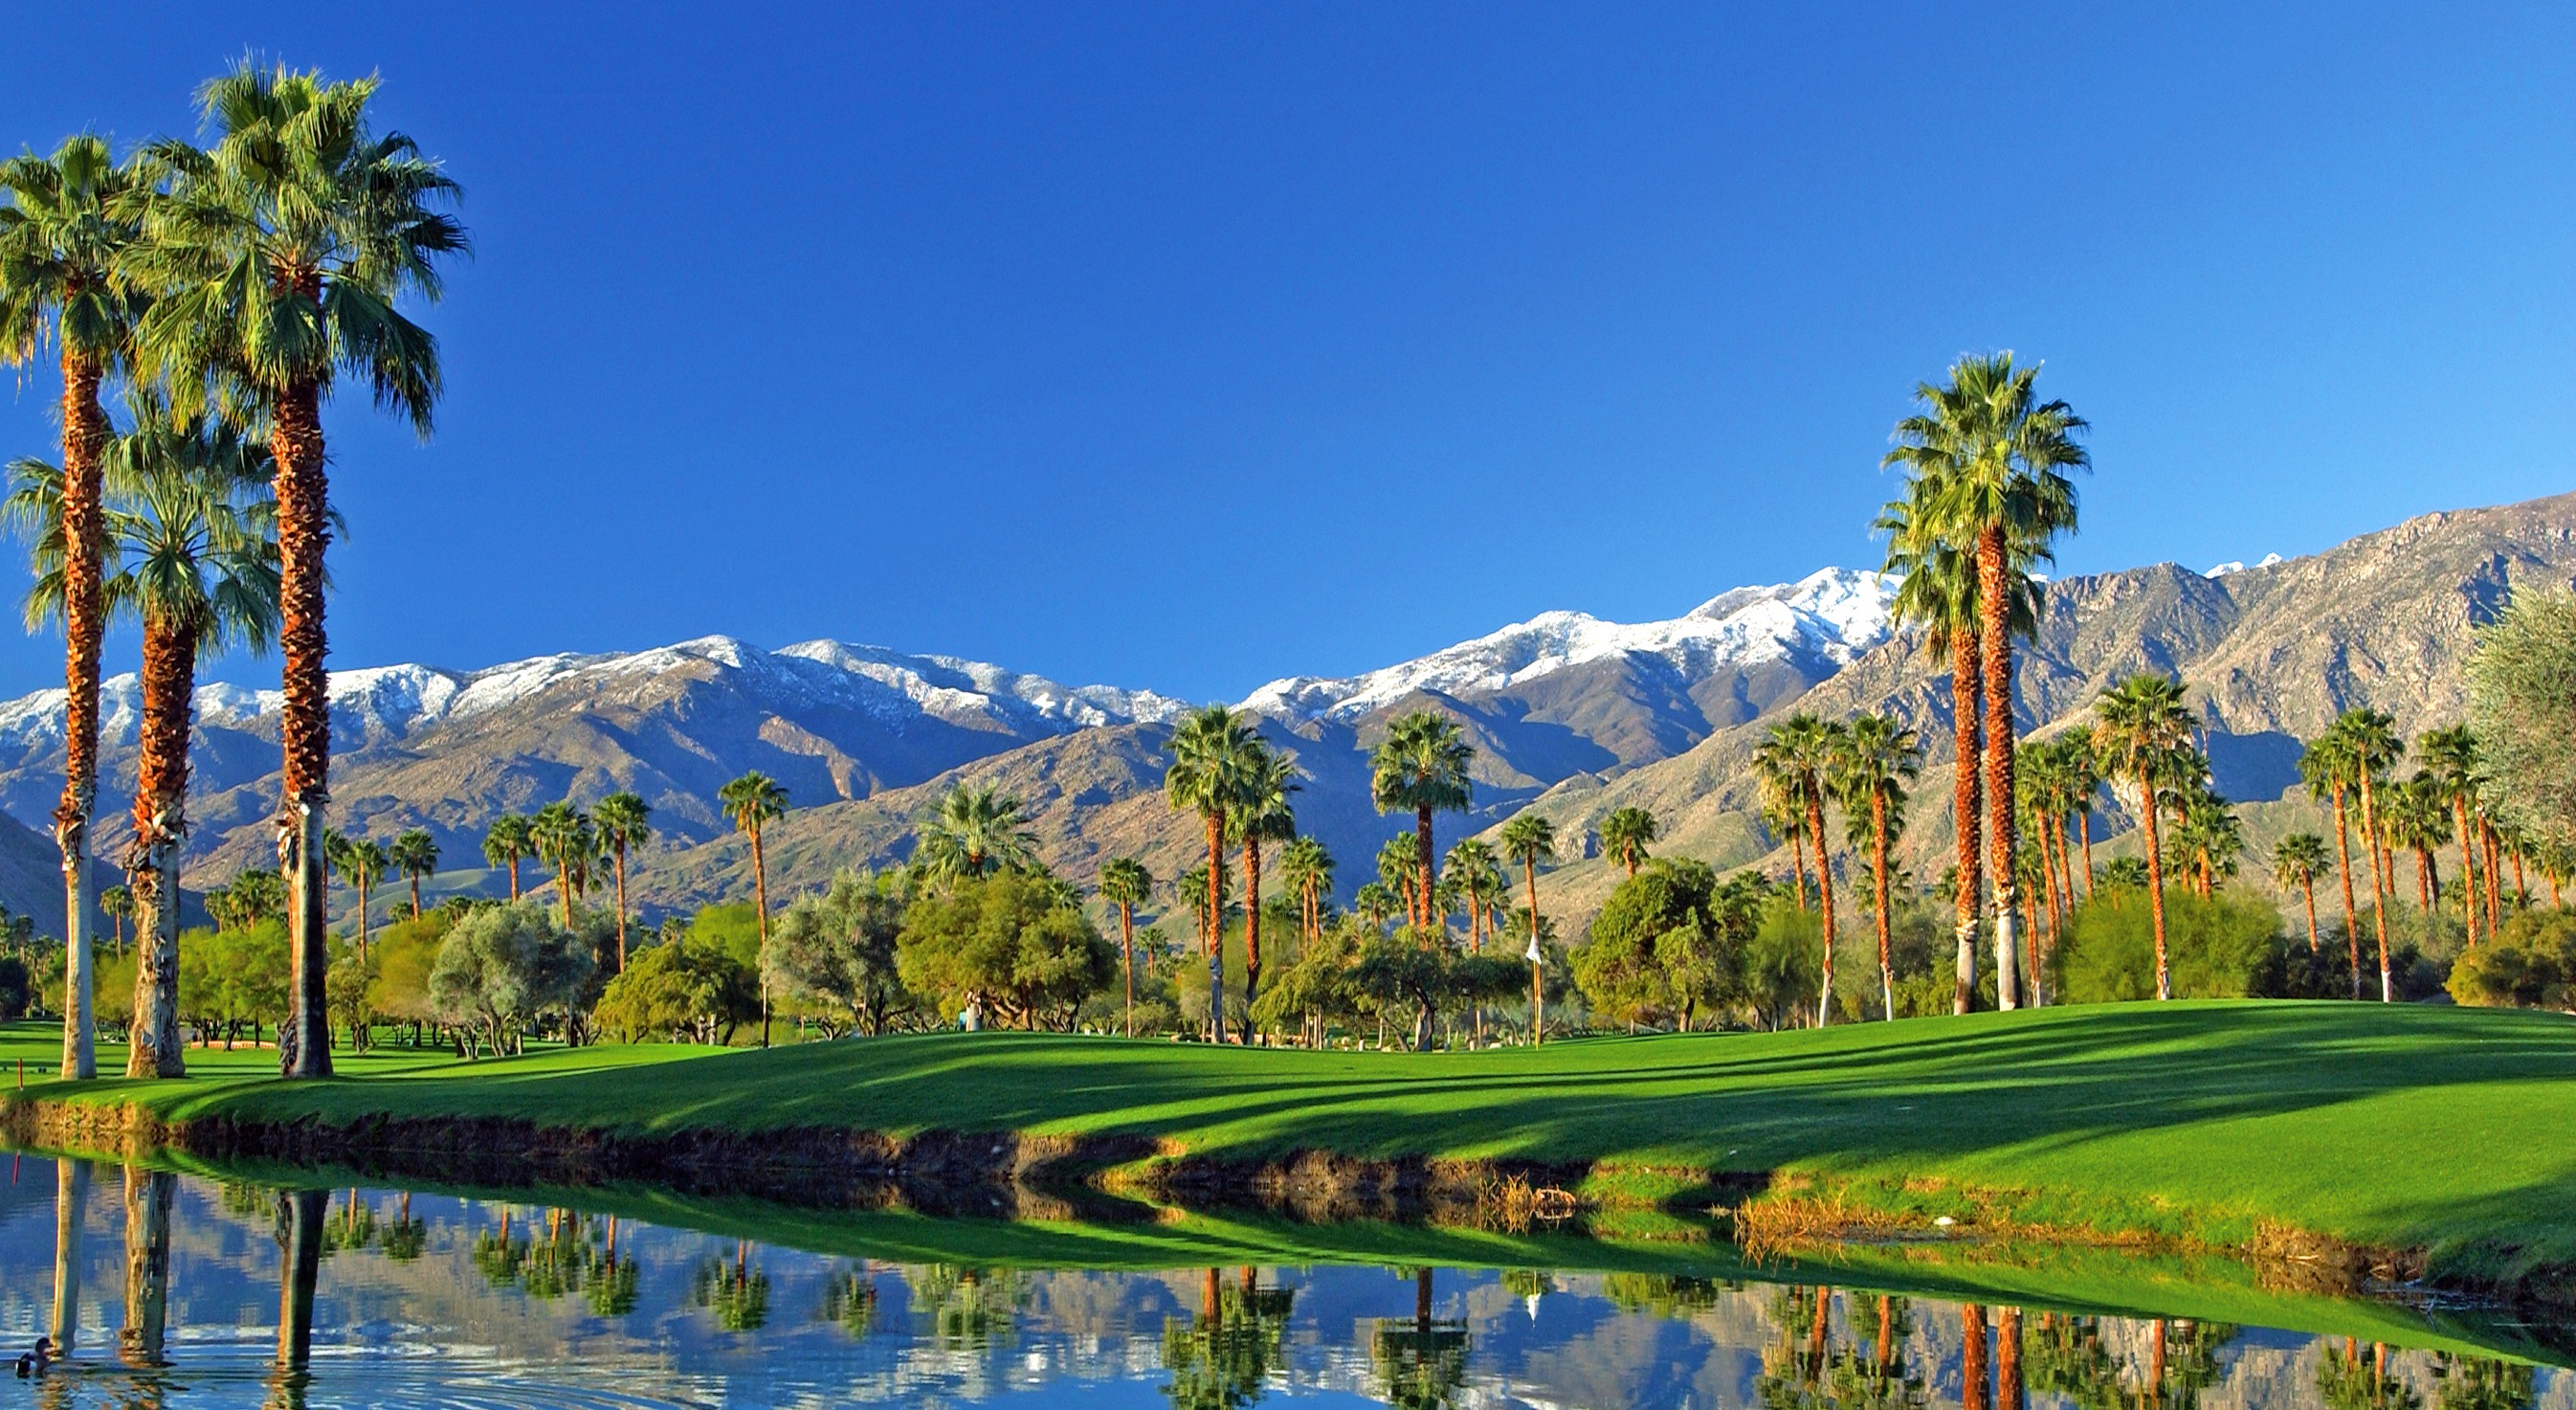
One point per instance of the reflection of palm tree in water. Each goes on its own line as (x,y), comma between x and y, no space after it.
(2347,1380)
(737,1297)
(2479,1383)
(1223,1358)
(148,1196)
(71,1211)
(2067,1358)
(1806,1368)
(969,1308)
(1421,1364)
(851,1300)
(300,1235)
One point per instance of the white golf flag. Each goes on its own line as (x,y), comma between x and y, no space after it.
(1532,954)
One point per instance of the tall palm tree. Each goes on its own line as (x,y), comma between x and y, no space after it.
(197,567)
(1399,870)
(1879,758)
(415,855)
(1529,840)
(2296,861)
(1125,884)
(2417,817)
(2138,724)
(2371,749)
(1786,821)
(625,822)
(1212,754)
(1807,751)
(1625,835)
(362,860)
(2451,757)
(567,840)
(754,801)
(2213,836)
(65,235)
(976,831)
(506,844)
(1471,865)
(1306,869)
(1992,456)
(1261,813)
(2327,764)
(1376,904)
(275,258)
(117,904)
(1421,765)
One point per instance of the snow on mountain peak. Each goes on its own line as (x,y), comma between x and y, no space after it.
(1834,614)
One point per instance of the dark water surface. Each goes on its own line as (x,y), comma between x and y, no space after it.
(178,1290)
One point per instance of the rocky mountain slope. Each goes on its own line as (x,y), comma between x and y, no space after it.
(1569,713)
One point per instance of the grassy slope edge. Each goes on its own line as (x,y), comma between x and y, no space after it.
(2451,1131)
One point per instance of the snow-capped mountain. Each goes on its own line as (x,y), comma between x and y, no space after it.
(1828,618)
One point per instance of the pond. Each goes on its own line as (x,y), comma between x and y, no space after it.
(183,1290)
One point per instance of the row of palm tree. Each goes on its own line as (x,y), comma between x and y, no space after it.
(228,288)
(1806,763)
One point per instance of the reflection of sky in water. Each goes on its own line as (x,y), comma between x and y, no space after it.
(687,1318)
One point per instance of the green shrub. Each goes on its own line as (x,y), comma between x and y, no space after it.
(2219,948)
(2529,963)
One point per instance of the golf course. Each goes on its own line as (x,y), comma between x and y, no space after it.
(2189,1126)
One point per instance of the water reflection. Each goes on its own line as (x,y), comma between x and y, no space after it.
(186,1292)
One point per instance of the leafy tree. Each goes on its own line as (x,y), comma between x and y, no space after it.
(837,951)
(1009,942)
(1213,752)
(975,832)
(2215,947)
(689,984)
(2529,962)
(1659,946)
(500,968)
(1126,885)
(2296,861)
(415,856)
(276,258)
(1780,965)
(405,956)
(67,235)
(1421,766)
(2138,722)
(753,801)
(2522,692)
(1879,757)
(506,843)
(625,822)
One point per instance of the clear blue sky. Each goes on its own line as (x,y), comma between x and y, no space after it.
(1190,345)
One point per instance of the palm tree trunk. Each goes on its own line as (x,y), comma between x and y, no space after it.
(152,858)
(1215,927)
(1972,1358)
(2008,1388)
(1965,805)
(1878,863)
(2468,873)
(2084,829)
(1127,959)
(1996,639)
(2156,889)
(760,901)
(84,621)
(1251,930)
(1825,896)
(620,864)
(415,898)
(2424,882)
(304,721)
(1422,849)
(514,876)
(1538,988)
(2308,885)
(2495,885)
(2378,892)
(1798,865)
(2343,863)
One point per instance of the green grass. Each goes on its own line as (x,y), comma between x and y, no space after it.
(2452,1130)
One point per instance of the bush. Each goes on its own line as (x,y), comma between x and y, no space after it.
(689,986)
(1013,944)
(2218,948)
(2529,963)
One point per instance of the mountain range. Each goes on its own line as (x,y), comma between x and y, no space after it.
(1569,713)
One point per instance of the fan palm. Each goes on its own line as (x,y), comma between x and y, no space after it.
(1529,840)
(754,801)
(2213,837)
(1376,904)
(625,821)
(1125,884)
(1399,870)
(1213,752)
(362,862)
(506,844)
(1805,751)
(2326,764)
(1306,869)
(567,840)
(117,904)
(2451,758)
(2140,723)
(1879,757)
(1472,867)
(1992,456)
(1625,835)
(1261,813)
(275,258)
(1786,822)
(1421,765)
(415,855)
(2417,818)
(975,832)
(65,234)
(2296,861)
(2370,749)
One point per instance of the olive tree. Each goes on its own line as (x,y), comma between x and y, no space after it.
(836,952)
(500,968)
(2522,701)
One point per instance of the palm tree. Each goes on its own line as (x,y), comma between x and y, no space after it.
(65,236)
(1625,834)
(1472,868)
(276,258)
(1125,884)
(198,569)
(1422,765)
(1376,904)
(2417,817)
(2213,836)
(567,840)
(2140,723)
(753,801)
(1261,813)
(1786,822)
(117,904)
(1399,870)
(1306,869)
(1805,751)
(2296,860)
(1212,755)
(363,861)
(625,821)
(1529,840)
(2371,748)
(506,844)
(1879,757)
(415,856)
(976,832)
(1993,456)
(2327,765)
(2451,758)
